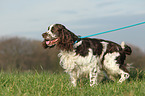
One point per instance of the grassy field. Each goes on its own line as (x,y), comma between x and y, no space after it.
(46,84)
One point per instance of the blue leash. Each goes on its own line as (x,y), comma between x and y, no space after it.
(111,30)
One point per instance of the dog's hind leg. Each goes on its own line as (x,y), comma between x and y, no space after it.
(113,68)
(124,76)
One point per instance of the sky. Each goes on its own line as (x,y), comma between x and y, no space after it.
(30,18)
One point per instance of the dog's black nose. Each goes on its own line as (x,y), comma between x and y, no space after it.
(44,35)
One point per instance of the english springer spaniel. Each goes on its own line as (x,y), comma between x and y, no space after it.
(87,55)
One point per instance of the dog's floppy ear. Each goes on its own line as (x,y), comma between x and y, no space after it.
(65,38)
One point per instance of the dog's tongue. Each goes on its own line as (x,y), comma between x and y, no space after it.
(51,42)
(48,42)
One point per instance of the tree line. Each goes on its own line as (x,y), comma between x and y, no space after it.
(24,54)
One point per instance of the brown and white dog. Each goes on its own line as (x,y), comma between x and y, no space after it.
(87,55)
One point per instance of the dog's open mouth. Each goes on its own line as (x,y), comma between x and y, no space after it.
(52,42)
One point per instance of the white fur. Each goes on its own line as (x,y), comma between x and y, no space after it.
(69,61)
(123,44)
(77,65)
(112,68)
(110,63)
(50,33)
(77,44)
(104,48)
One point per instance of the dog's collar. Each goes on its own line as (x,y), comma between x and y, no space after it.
(75,42)
(79,38)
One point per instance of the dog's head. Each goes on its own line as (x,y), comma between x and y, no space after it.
(57,34)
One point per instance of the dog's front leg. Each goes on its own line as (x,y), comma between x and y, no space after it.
(93,77)
(73,77)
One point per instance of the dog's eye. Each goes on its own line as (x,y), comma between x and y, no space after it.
(52,29)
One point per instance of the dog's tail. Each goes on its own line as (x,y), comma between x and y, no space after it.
(126,49)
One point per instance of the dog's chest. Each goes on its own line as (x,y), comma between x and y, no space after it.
(70,61)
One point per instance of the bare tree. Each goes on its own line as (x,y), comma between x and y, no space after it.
(24,54)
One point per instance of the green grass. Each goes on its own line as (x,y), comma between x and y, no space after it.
(46,84)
